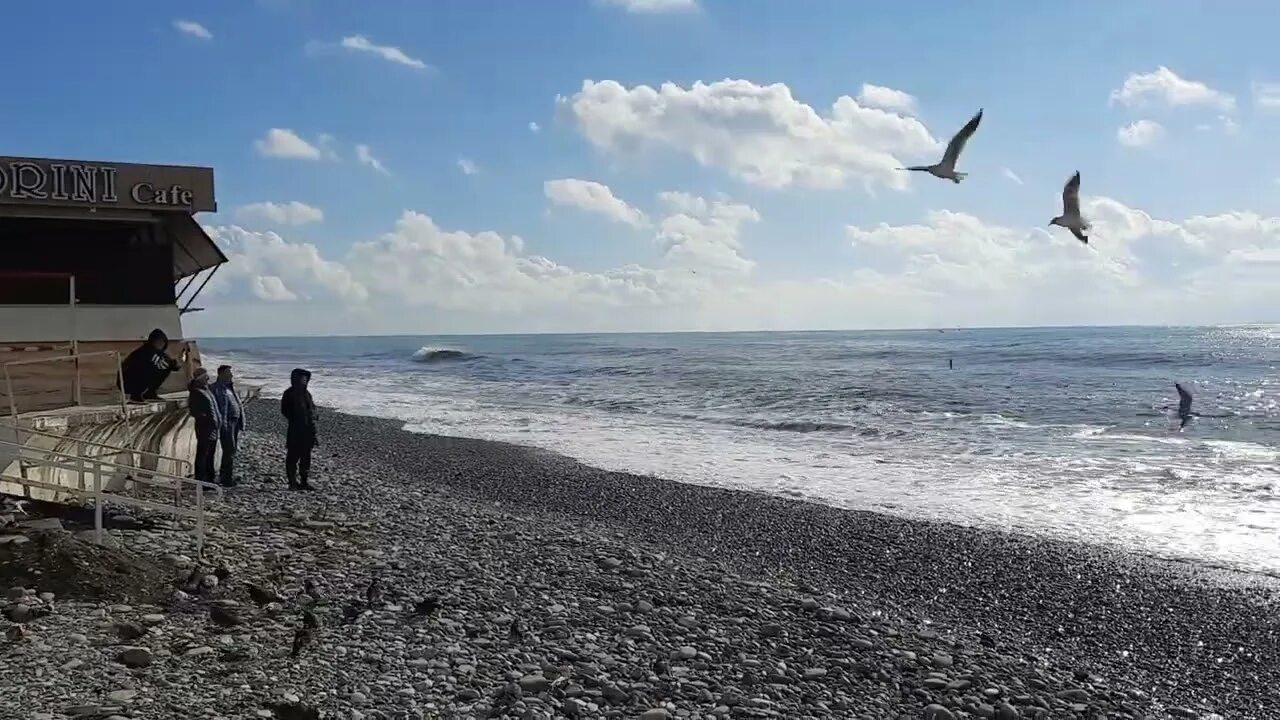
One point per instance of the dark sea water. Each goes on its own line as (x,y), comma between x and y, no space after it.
(1061,431)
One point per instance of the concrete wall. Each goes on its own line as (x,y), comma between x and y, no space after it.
(159,428)
(53,323)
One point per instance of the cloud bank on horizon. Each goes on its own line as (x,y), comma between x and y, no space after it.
(600,188)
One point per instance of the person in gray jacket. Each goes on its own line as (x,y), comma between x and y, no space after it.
(232,412)
(204,409)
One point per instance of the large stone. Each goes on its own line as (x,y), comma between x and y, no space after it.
(16,593)
(938,712)
(134,657)
(534,684)
(655,714)
(122,696)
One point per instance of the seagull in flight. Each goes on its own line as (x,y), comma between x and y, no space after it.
(947,168)
(1070,217)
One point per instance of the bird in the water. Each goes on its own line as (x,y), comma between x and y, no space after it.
(261,596)
(223,616)
(1070,217)
(373,593)
(946,169)
(1184,405)
(427,605)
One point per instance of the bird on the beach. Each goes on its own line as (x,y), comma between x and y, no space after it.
(301,638)
(516,633)
(261,596)
(15,633)
(224,616)
(1070,217)
(309,619)
(427,605)
(352,612)
(222,572)
(373,593)
(946,169)
(192,581)
(312,590)
(129,631)
(294,711)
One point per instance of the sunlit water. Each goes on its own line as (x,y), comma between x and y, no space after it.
(1059,431)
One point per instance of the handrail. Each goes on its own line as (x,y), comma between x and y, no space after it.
(75,388)
(179,462)
(153,478)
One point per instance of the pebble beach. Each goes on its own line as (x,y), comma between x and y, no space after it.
(516,583)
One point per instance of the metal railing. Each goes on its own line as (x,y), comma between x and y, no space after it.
(76,387)
(102,469)
(183,465)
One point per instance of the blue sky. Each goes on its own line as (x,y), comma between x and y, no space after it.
(777,228)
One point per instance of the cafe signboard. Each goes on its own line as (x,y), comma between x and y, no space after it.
(126,186)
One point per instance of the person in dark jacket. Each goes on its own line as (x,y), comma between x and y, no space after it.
(300,410)
(145,369)
(204,409)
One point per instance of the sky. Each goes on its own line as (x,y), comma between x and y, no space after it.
(452,166)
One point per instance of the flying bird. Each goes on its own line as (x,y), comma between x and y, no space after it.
(1184,405)
(1070,217)
(947,168)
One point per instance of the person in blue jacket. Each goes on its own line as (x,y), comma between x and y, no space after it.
(224,394)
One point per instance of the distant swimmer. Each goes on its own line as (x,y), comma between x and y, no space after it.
(1184,405)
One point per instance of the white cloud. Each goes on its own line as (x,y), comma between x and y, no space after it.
(192,28)
(759,134)
(468,166)
(270,213)
(1013,176)
(534,127)
(365,156)
(360,43)
(271,289)
(1266,94)
(299,271)
(653,6)
(1141,133)
(1165,87)
(886,98)
(592,197)
(285,143)
(951,268)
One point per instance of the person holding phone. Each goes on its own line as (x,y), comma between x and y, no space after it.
(147,367)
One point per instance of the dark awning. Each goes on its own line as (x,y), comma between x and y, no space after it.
(193,250)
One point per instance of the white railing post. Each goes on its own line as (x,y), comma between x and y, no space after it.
(97,504)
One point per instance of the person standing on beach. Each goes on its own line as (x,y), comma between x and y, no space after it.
(146,368)
(204,409)
(300,410)
(232,413)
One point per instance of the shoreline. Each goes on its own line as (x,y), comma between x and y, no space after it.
(568,591)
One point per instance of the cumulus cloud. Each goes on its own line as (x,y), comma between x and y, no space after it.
(653,6)
(534,127)
(192,28)
(298,269)
(271,289)
(285,143)
(1140,133)
(270,213)
(360,43)
(949,268)
(1266,94)
(886,98)
(760,134)
(1013,176)
(1165,87)
(468,166)
(365,156)
(592,197)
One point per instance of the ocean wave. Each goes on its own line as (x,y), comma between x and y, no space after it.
(433,355)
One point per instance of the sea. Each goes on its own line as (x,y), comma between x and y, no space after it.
(1064,432)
